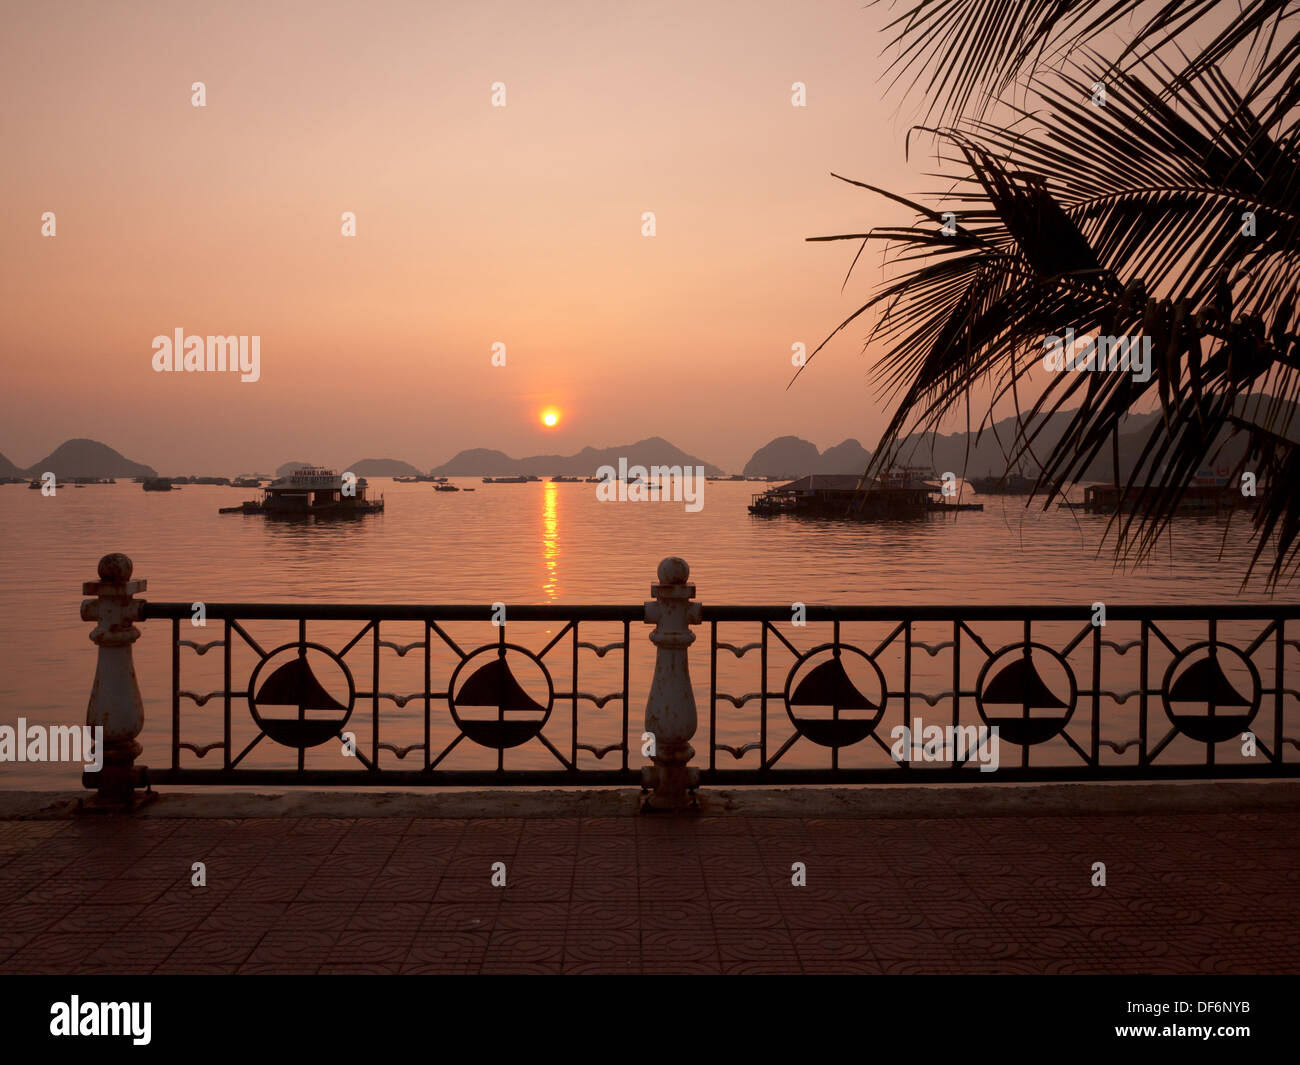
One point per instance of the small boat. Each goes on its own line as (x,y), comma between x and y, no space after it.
(157,484)
(508,480)
(445,488)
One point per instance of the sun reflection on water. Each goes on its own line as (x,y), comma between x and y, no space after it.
(550,540)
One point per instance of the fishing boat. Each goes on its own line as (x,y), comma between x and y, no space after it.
(508,480)
(445,488)
(157,484)
(311,492)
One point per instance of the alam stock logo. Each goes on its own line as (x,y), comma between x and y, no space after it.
(212,354)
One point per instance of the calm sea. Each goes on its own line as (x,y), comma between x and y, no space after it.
(527,543)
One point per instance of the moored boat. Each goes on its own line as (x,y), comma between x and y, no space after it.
(904,492)
(312,492)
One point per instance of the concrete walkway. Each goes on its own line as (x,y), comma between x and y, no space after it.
(1202,890)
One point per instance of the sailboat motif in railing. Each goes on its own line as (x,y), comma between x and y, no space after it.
(1202,684)
(295,685)
(494,686)
(1019,684)
(829,686)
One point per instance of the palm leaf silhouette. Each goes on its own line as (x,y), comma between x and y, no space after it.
(1123,219)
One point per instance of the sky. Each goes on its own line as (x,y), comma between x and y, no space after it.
(475,225)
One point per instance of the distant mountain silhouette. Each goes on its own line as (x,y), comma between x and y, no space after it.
(486,462)
(848,457)
(88,458)
(8,469)
(793,457)
(786,456)
(964,455)
(383,468)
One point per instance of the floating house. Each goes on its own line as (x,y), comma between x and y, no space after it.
(1011,484)
(311,492)
(1210,492)
(905,492)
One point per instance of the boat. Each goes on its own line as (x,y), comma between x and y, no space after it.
(1011,484)
(903,492)
(445,488)
(311,492)
(246,482)
(508,480)
(1209,492)
(565,480)
(157,484)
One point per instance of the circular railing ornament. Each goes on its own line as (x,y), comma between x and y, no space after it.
(302,702)
(1195,680)
(840,696)
(1037,682)
(503,710)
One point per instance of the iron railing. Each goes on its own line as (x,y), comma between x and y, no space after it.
(293,706)
(1182,709)
(1156,692)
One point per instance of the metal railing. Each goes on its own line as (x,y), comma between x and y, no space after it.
(796,695)
(519,711)
(1179,704)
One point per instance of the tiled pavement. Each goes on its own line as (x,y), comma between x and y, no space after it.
(1207,892)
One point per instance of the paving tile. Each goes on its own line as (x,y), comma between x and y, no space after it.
(212,947)
(294,947)
(1199,893)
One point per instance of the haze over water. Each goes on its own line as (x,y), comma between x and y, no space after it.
(518,544)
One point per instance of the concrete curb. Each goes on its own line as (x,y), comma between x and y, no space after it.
(886,801)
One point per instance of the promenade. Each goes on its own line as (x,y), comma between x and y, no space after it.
(353,883)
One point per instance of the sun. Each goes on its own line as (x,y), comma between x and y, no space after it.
(550,418)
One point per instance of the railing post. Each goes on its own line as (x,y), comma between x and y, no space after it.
(670,709)
(115,703)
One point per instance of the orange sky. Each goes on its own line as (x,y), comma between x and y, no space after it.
(475,224)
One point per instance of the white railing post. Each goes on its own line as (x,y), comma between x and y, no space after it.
(670,709)
(115,702)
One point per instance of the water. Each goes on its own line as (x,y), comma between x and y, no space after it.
(529,543)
